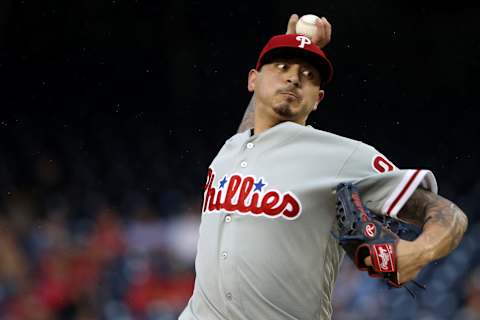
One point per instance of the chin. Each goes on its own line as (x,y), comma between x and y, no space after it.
(284,111)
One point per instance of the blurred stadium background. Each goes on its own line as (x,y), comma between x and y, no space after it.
(110,112)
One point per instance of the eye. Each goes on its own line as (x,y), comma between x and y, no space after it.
(282,66)
(308,74)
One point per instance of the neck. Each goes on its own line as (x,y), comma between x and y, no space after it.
(265,121)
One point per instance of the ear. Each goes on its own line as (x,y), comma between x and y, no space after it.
(252,77)
(321,95)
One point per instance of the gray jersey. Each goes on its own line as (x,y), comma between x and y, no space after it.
(265,249)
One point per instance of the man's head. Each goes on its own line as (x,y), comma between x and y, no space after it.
(289,77)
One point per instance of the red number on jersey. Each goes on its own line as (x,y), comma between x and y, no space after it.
(381,165)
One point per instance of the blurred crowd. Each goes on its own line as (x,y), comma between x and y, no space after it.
(104,267)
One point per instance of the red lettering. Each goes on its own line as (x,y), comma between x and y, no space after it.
(254,208)
(245,189)
(240,197)
(209,179)
(381,165)
(233,185)
(209,191)
(218,204)
(269,201)
(294,204)
(359,205)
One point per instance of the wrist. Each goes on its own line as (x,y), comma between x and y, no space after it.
(425,252)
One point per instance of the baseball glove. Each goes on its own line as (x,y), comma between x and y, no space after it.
(364,234)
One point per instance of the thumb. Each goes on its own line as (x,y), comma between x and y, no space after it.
(368,261)
(292,22)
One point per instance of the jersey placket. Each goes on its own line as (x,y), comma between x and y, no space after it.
(230,238)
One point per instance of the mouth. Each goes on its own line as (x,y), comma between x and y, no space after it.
(289,94)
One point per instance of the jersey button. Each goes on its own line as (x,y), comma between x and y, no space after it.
(228,218)
(228,295)
(224,255)
(243,164)
(249,145)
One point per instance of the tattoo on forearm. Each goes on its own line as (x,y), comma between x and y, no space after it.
(248,120)
(451,218)
(442,221)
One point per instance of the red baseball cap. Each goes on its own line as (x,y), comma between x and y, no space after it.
(297,46)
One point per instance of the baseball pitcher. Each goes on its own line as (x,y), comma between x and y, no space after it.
(272,211)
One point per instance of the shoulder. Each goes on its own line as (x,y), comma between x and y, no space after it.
(334,140)
(237,139)
(354,151)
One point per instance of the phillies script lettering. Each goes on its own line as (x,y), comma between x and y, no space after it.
(245,195)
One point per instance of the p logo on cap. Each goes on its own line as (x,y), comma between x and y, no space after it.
(303,41)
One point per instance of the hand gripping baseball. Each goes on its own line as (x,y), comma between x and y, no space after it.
(322,35)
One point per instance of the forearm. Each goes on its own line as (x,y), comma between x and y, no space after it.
(248,120)
(442,221)
(443,229)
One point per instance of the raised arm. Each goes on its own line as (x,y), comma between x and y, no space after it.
(321,38)
(248,120)
(443,227)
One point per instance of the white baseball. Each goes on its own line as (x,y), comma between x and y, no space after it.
(306,25)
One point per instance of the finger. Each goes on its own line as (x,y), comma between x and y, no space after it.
(368,261)
(323,32)
(407,275)
(398,278)
(292,23)
(319,36)
(328,29)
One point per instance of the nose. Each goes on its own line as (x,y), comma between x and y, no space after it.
(293,76)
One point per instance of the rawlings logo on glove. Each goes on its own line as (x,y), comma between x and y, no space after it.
(384,254)
(370,230)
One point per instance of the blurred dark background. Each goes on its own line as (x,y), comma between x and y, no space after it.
(111,111)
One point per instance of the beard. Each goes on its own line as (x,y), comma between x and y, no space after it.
(284,110)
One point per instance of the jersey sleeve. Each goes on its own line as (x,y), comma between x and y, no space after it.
(384,187)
